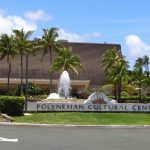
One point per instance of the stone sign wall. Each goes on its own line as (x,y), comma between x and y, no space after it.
(117,107)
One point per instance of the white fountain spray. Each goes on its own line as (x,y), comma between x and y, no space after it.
(64,85)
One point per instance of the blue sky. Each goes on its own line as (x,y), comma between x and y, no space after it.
(125,22)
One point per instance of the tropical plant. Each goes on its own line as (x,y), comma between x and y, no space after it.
(66,61)
(108,59)
(24,46)
(141,75)
(49,42)
(115,68)
(146,63)
(33,89)
(138,76)
(7,51)
(119,73)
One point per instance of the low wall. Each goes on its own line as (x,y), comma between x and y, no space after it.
(58,107)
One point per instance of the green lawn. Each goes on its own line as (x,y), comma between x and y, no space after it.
(78,118)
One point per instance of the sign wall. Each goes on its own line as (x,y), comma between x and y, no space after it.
(117,107)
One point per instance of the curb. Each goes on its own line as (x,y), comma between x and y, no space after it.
(77,126)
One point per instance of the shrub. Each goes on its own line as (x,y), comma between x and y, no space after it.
(107,89)
(129,89)
(133,98)
(36,98)
(85,93)
(12,105)
(124,93)
(32,89)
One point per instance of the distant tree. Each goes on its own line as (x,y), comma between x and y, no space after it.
(66,61)
(7,51)
(24,46)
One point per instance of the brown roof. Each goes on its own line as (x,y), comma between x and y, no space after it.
(90,56)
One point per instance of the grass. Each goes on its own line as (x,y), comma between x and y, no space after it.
(80,118)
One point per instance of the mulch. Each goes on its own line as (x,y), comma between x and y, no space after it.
(81,101)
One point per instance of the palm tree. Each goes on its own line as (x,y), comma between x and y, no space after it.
(138,76)
(7,51)
(115,68)
(141,75)
(119,72)
(24,46)
(49,42)
(66,61)
(108,59)
(146,63)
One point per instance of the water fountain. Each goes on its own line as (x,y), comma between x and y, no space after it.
(63,87)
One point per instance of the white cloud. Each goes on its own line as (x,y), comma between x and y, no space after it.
(74,37)
(37,15)
(18,22)
(9,22)
(136,47)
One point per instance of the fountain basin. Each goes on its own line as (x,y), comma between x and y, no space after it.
(53,96)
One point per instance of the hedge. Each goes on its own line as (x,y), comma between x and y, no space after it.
(12,105)
(133,98)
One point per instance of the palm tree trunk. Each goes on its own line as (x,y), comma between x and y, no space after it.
(50,75)
(115,91)
(21,72)
(9,70)
(26,92)
(118,97)
(140,93)
(120,89)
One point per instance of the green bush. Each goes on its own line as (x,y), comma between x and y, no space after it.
(85,93)
(12,105)
(131,90)
(124,93)
(32,89)
(127,97)
(133,98)
(108,89)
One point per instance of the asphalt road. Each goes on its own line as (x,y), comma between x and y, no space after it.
(73,138)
